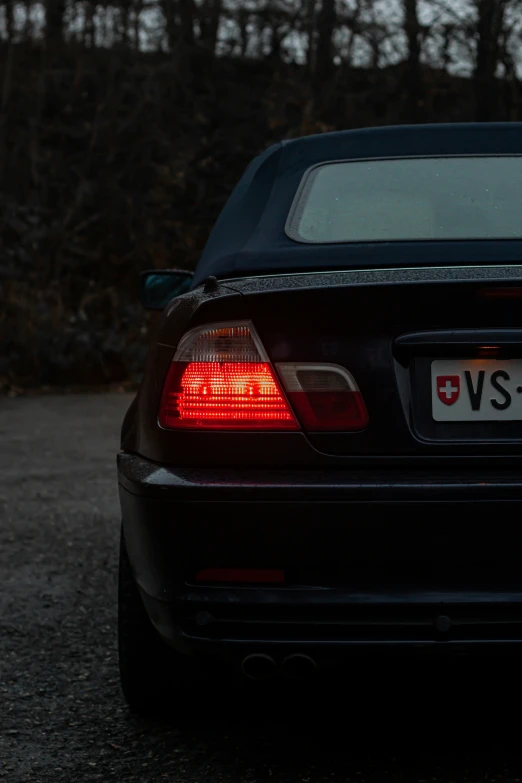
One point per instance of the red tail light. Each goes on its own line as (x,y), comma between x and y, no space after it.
(325,397)
(221,378)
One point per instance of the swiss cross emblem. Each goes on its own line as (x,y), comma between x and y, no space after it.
(448,388)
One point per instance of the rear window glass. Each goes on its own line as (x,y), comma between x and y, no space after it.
(410,199)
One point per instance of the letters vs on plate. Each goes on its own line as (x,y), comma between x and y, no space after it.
(476,390)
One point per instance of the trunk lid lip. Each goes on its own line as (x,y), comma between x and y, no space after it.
(250,284)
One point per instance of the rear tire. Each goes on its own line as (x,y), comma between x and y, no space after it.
(154,678)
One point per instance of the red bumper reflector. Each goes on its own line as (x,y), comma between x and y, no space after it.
(252,575)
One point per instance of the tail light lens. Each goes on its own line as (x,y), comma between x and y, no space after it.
(221,378)
(324,396)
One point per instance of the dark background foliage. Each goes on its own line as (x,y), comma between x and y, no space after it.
(123,129)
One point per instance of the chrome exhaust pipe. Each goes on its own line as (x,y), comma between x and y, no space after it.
(298,666)
(258,666)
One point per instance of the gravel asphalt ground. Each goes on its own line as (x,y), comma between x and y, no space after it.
(61,713)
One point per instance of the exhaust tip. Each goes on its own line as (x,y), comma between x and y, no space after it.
(258,666)
(298,666)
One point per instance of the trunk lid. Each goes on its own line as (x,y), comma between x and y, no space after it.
(387,327)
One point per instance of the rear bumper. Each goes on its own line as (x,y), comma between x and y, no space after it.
(380,560)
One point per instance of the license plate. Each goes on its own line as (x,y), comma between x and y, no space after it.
(476,390)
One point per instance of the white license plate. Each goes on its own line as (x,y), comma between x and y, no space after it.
(476,390)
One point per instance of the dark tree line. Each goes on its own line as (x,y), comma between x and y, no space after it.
(481,38)
(125,124)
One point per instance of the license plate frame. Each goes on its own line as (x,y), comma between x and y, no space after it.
(500,438)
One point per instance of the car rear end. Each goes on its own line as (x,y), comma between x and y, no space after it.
(295,479)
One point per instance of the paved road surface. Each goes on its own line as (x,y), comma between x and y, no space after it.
(61,714)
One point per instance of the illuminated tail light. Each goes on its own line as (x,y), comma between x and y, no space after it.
(324,396)
(221,378)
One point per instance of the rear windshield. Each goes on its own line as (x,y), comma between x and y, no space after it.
(410,199)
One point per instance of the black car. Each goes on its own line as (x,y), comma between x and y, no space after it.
(324,457)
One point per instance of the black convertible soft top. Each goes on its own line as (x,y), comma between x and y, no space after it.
(249,236)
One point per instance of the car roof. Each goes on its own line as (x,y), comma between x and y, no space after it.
(249,236)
